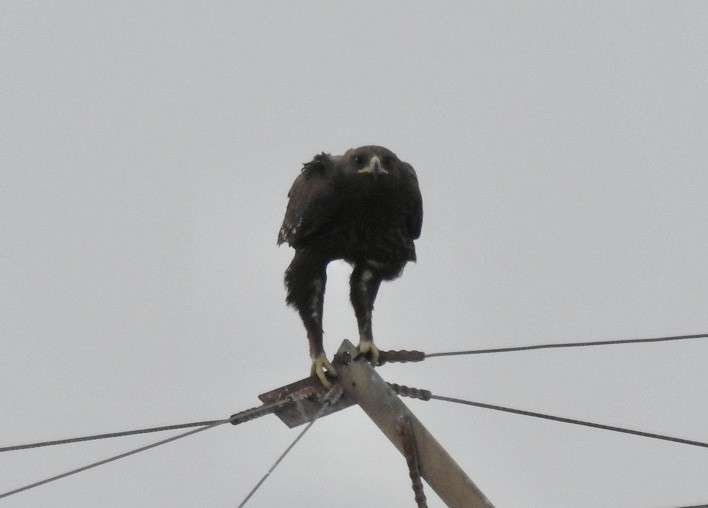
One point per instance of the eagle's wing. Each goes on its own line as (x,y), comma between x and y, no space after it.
(415,200)
(312,202)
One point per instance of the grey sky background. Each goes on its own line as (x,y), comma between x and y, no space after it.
(146,150)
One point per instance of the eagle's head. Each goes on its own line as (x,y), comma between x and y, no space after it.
(371,162)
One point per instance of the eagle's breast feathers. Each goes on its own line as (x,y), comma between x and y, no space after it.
(349,204)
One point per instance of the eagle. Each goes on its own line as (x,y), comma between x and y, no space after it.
(364,207)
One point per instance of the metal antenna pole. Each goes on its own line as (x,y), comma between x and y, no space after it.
(383,406)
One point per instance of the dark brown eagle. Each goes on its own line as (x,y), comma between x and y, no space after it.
(363,207)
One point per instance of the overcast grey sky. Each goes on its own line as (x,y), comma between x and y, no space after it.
(146,150)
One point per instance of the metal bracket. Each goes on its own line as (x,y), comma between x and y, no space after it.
(303,408)
(311,392)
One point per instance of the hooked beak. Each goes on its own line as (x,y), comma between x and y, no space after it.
(374,167)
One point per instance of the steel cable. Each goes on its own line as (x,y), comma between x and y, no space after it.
(107,436)
(566,345)
(116,457)
(420,394)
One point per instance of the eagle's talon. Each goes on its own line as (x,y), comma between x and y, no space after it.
(319,364)
(370,351)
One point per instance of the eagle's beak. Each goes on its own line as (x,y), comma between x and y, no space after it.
(374,167)
(375,164)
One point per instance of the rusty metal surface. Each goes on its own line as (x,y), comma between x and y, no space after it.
(310,395)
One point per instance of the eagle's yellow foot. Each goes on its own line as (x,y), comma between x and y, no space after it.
(369,350)
(319,364)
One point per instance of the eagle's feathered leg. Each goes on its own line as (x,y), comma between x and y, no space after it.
(305,281)
(364,286)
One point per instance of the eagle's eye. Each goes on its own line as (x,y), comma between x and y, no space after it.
(358,159)
(388,161)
